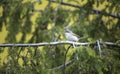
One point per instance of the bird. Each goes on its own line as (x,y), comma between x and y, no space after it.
(71,36)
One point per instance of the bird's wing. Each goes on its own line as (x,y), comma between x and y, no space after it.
(75,35)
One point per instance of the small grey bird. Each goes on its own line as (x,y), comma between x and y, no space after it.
(71,36)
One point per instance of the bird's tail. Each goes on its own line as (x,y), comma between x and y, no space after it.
(83,37)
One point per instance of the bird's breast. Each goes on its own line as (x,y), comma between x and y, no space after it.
(71,37)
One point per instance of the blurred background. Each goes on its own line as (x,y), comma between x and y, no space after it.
(36,21)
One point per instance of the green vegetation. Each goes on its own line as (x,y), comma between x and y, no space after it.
(36,21)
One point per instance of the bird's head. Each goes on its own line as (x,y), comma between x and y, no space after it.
(68,31)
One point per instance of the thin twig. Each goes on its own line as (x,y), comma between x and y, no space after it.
(61,66)
(99,48)
(35,52)
(65,59)
(18,56)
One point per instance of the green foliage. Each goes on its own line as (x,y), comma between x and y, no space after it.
(17,17)
(87,61)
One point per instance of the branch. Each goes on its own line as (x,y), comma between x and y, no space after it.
(64,65)
(111,44)
(95,11)
(43,44)
(61,66)
(58,43)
